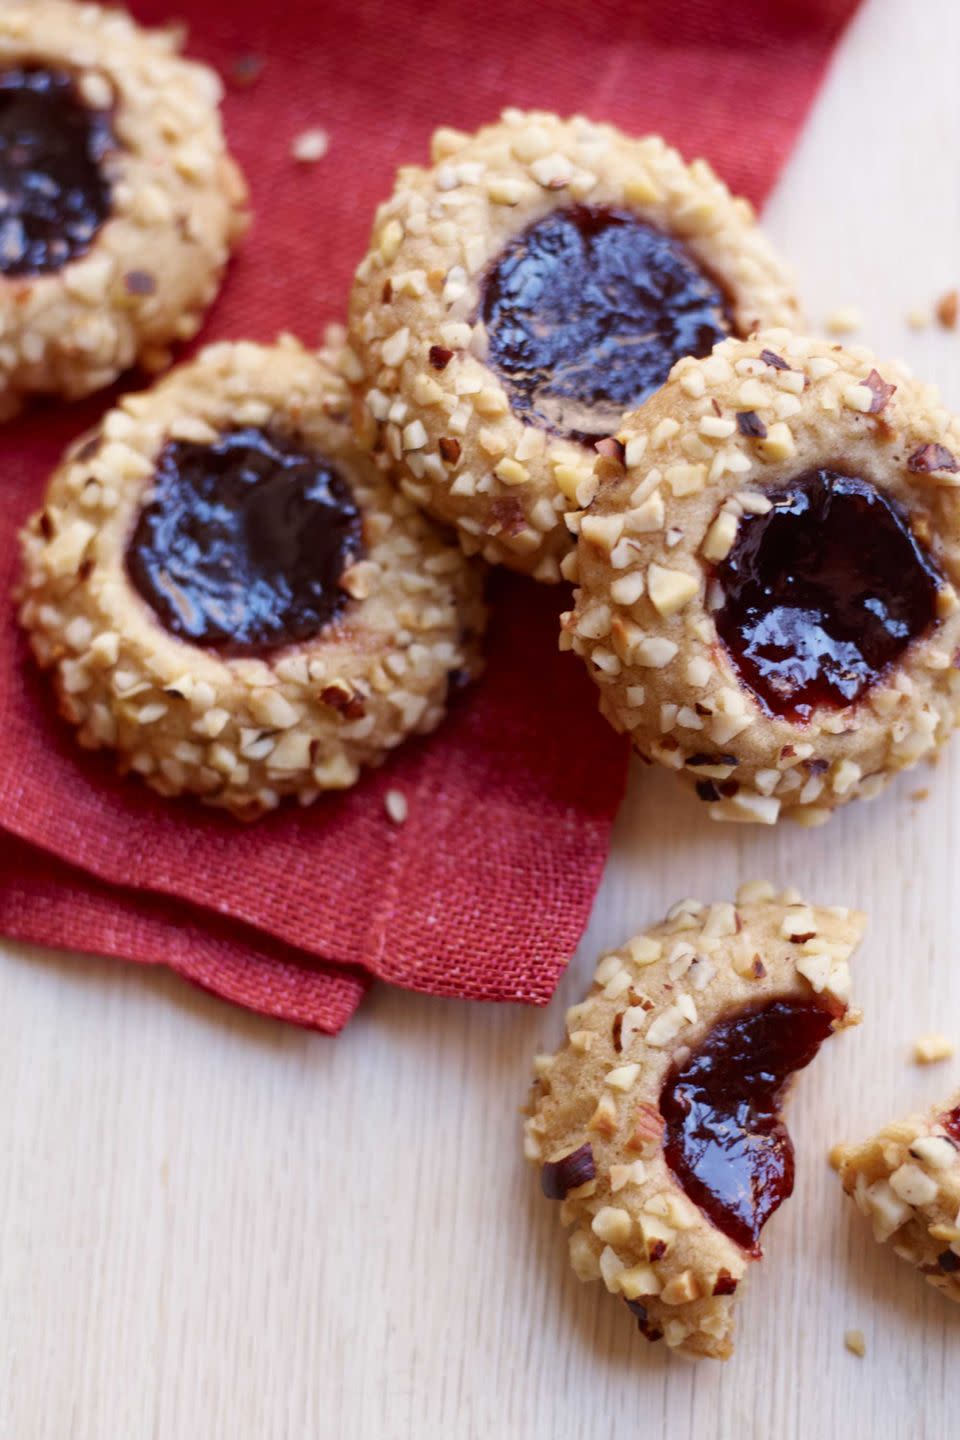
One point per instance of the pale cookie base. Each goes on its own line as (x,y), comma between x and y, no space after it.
(658,996)
(906,1181)
(642,617)
(459,449)
(178,208)
(298,720)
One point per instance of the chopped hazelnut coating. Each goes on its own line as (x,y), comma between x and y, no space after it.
(243,728)
(177,206)
(906,1181)
(468,442)
(768,579)
(608,1113)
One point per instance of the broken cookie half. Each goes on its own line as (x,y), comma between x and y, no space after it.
(906,1181)
(657,1125)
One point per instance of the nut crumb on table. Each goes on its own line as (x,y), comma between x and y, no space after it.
(845,320)
(947,310)
(928,1049)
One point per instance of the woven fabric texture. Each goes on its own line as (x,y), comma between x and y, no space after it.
(485,890)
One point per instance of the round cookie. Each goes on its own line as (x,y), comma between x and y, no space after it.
(657,1124)
(522,293)
(232,597)
(767,577)
(906,1181)
(119,204)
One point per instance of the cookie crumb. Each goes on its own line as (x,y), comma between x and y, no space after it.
(844,320)
(918,319)
(948,308)
(855,1343)
(835,1156)
(395,804)
(928,1049)
(310,146)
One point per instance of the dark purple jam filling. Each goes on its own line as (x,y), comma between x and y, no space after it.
(54,195)
(724,1139)
(587,311)
(823,593)
(243,543)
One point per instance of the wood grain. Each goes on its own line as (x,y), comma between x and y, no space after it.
(214,1226)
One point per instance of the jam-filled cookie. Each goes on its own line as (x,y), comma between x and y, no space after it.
(658,1124)
(232,597)
(118,202)
(767,577)
(906,1181)
(537,281)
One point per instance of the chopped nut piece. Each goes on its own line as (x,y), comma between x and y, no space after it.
(310,146)
(604,1118)
(623,1077)
(913,1185)
(568,1173)
(612,1225)
(670,590)
(395,804)
(936,1152)
(681,1289)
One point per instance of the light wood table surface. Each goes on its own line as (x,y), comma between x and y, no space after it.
(215,1227)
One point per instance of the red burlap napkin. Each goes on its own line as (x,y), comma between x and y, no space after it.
(485,890)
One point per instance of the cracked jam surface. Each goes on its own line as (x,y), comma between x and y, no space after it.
(823,593)
(53,194)
(243,542)
(724,1139)
(586,312)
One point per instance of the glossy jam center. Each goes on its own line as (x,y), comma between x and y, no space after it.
(53,194)
(724,1139)
(823,593)
(244,541)
(586,312)
(951,1123)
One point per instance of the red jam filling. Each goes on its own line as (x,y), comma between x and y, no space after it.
(724,1139)
(244,541)
(823,594)
(951,1123)
(53,194)
(586,312)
